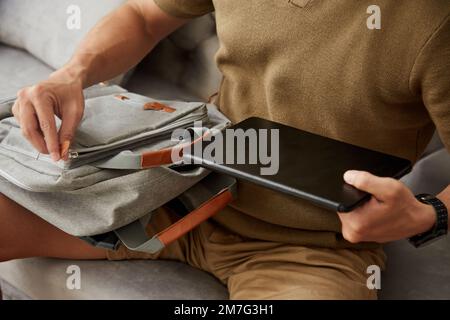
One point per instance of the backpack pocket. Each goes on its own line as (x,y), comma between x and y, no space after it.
(108,120)
(109,126)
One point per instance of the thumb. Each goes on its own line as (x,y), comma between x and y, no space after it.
(365,181)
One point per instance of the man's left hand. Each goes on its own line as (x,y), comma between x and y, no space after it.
(392,213)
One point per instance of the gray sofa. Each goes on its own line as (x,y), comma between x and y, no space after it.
(183,67)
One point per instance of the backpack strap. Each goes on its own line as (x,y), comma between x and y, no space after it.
(134,235)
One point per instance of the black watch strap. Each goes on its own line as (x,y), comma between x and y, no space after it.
(439,229)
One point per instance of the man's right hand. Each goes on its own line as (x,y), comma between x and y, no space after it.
(116,44)
(36,107)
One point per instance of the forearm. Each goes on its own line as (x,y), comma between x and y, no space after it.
(444,196)
(119,41)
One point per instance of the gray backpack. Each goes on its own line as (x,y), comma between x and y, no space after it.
(120,170)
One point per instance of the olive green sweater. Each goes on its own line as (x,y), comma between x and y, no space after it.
(315,65)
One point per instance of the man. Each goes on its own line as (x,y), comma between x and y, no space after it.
(310,64)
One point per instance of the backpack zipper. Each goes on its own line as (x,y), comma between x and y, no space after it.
(73,155)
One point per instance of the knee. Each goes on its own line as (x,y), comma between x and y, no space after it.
(3,201)
(6,206)
(6,245)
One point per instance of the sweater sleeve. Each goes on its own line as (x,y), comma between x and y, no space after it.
(186,8)
(430,78)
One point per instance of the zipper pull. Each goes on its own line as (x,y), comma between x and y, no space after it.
(65,151)
(72,154)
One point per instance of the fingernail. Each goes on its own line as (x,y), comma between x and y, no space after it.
(65,149)
(350,176)
(55,156)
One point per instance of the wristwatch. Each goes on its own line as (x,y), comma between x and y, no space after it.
(440,229)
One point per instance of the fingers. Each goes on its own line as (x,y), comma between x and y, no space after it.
(36,118)
(71,117)
(36,108)
(381,188)
(16,110)
(30,127)
(360,224)
(354,227)
(47,124)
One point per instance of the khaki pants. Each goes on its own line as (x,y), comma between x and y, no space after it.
(253,269)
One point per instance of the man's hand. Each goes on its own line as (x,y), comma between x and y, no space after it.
(392,213)
(36,107)
(116,44)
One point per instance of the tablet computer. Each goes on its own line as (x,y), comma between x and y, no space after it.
(294,162)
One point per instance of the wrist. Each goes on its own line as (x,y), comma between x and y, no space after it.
(439,224)
(425,216)
(76,70)
(444,196)
(70,74)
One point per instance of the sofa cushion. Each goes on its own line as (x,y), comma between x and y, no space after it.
(40,27)
(416,273)
(411,274)
(9,292)
(19,69)
(190,53)
(431,174)
(47,279)
(194,33)
(158,88)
